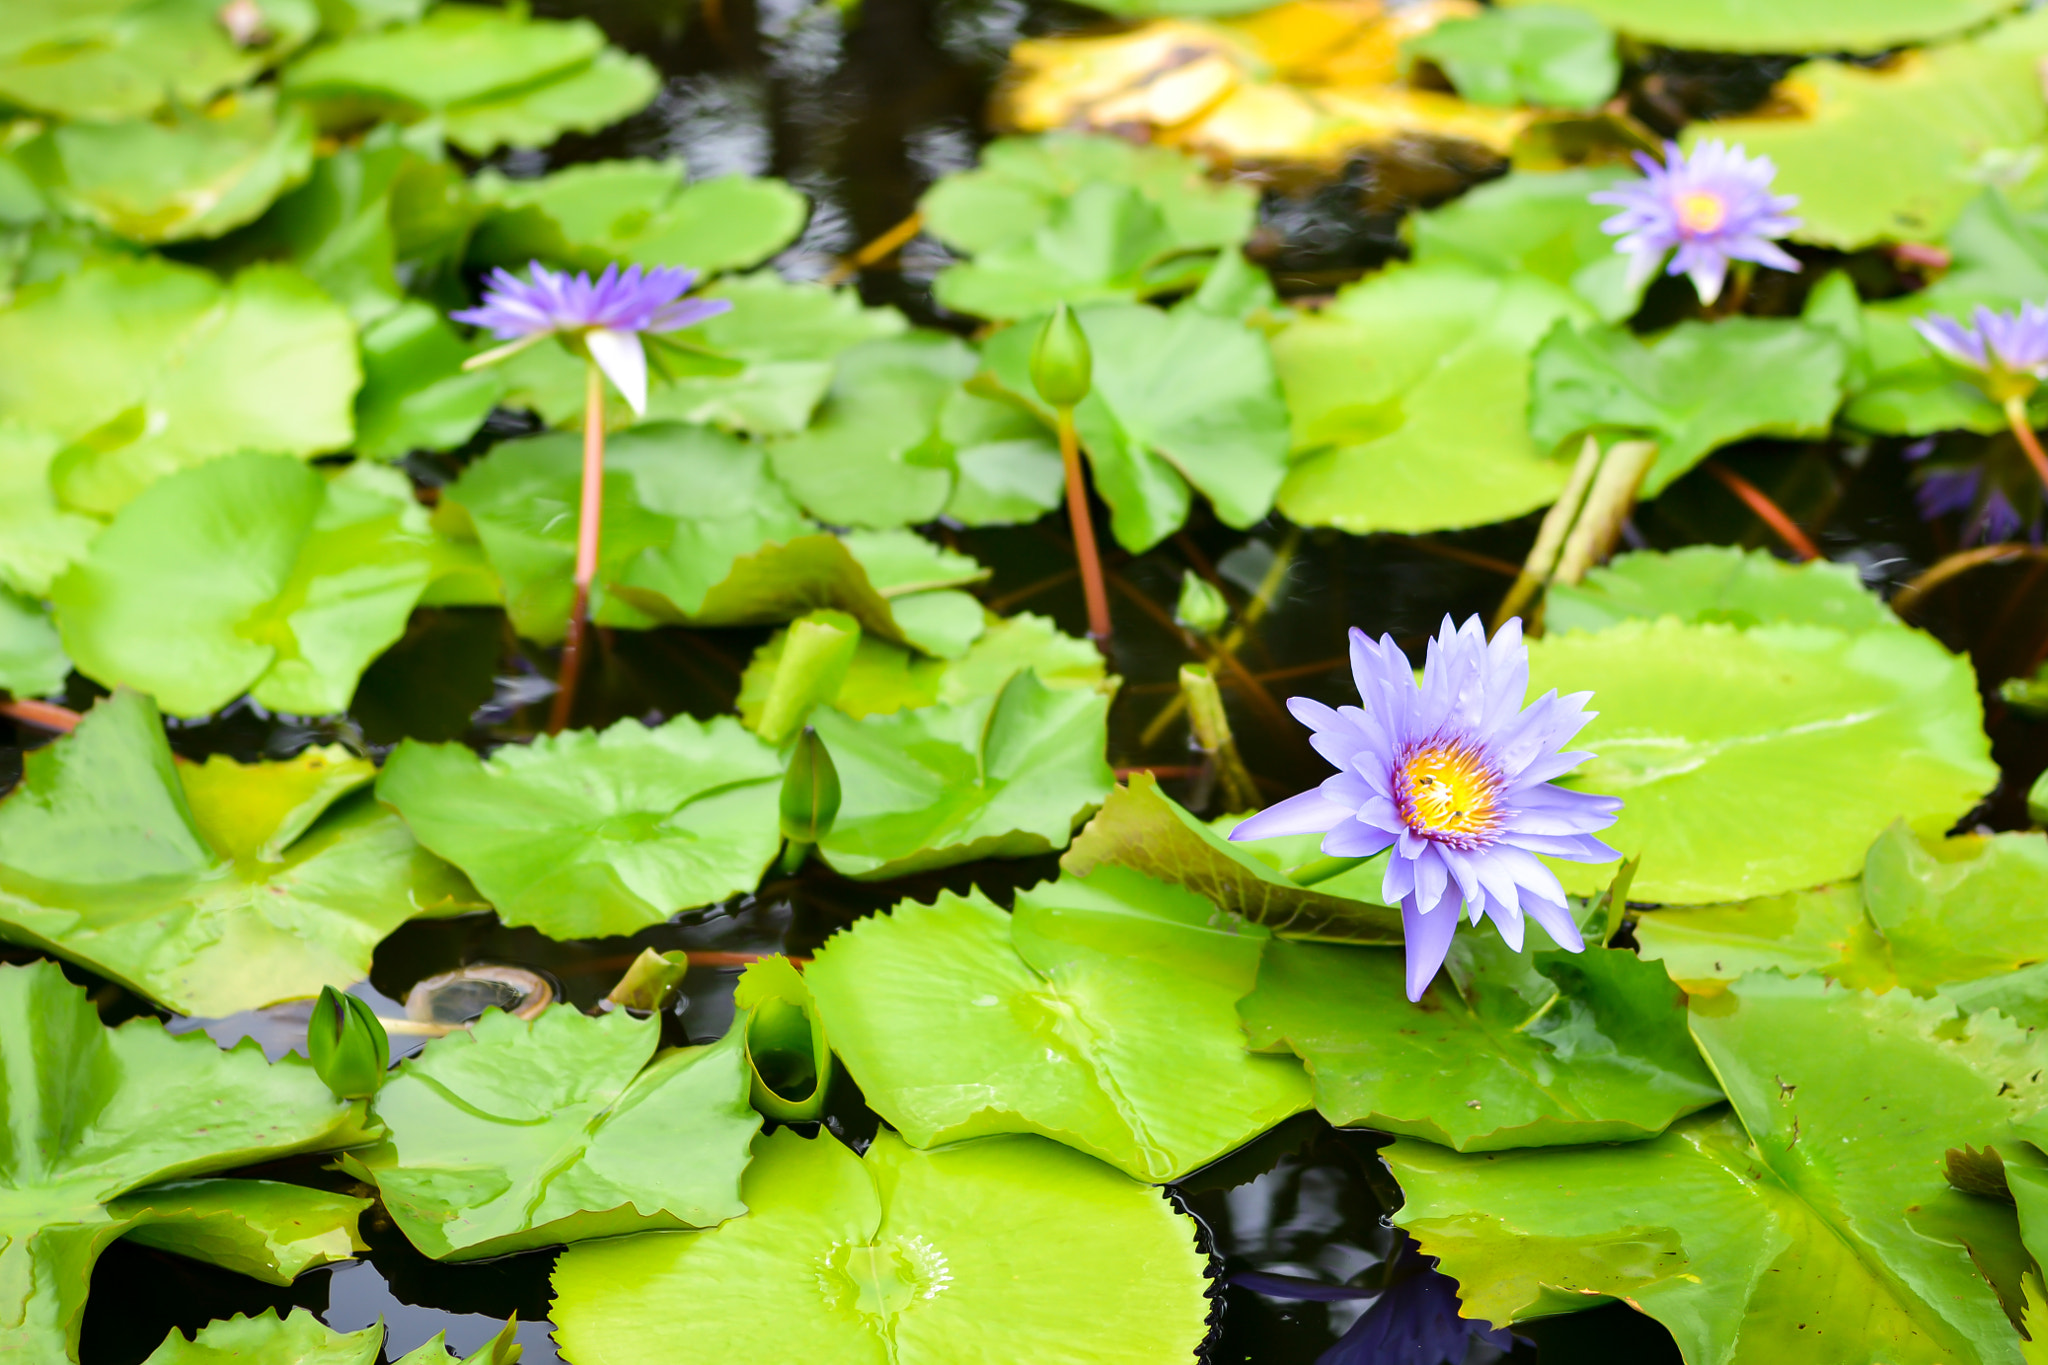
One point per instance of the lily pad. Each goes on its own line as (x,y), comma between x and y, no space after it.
(494,78)
(1698,387)
(119,59)
(299,1338)
(115,1110)
(1724,583)
(1072,218)
(1181,398)
(252,573)
(416,395)
(1796,26)
(789,1062)
(1815,1212)
(144,367)
(901,1258)
(32,658)
(264,1229)
(1101,1014)
(589,833)
(39,538)
(209,889)
(1002,776)
(1951,119)
(519,1133)
(634,212)
(1535,54)
(1752,762)
(1408,397)
(1542,223)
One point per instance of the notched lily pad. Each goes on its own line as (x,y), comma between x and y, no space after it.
(103,60)
(298,1338)
(1715,583)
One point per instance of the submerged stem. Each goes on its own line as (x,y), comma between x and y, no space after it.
(1767,511)
(1084,531)
(2023,432)
(589,528)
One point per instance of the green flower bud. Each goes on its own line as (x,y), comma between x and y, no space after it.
(349,1047)
(1201,608)
(1062,368)
(810,791)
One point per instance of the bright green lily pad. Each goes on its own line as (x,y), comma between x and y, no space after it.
(120,59)
(32,658)
(518,1133)
(252,573)
(589,833)
(209,889)
(299,1338)
(1795,26)
(144,367)
(1181,398)
(1409,398)
(264,1229)
(782,1035)
(1723,583)
(1758,761)
(416,395)
(1816,1212)
(997,776)
(1101,1014)
(1543,223)
(1698,387)
(1536,54)
(39,539)
(902,1258)
(109,1111)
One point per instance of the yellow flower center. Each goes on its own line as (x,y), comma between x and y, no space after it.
(1701,211)
(1451,790)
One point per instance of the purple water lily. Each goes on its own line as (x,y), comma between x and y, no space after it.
(1713,207)
(1454,775)
(2009,349)
(1987,498)
(607,315)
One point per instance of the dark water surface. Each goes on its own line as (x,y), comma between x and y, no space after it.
(862,110)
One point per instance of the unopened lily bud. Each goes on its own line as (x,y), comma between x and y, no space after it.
(1201,608)
(810,791)
(348,1045)
(1062,367)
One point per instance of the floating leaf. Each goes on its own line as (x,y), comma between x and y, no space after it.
(32,659)
(1180,398)
(1535,54)
(114,1110)
(589,833)
(783,1036)
(146,367)
(1408,397)
(1542,223)
(1002,776)
(416,395)
(38,538)
(252,573)
(299,1338)
(901,1258)
(1723,583)
(209,889)
(634,212)
(1102,1015)
(119,59)
(1698,387)
(1752,762)
(265,1229)
(519,1133)
(1795,26)
(1815,1212)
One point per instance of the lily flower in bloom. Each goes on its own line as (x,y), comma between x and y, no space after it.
(1713,207)
(1455,776)
(2009,354)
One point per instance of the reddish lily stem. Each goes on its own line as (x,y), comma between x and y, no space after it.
(1084,531)
(589,527)
(2023,432)
(41,714)
(1771,514)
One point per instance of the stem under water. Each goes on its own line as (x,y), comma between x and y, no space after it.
(2023,432)
(589,528)
(1084,531)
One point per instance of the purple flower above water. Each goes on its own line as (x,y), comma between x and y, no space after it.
(2009,349)
(606,315)
(1714,207)
(1455,776)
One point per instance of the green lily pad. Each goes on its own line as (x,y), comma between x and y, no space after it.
(789,1062)
(1181,398)
(118,59)
(1142,828)
(144,367)
(1724,583)
(1006,465)
(32,658)
(494,78)
(1951,119)
(1698,387)
(503,1349)
(416,395)
(1815,1212)
(39,539)
(1543,223)
(1074,218)
(1102,1014)
(589,833)
(901,1258)
(1408,397)
(1535,54)
(264,1229)
(1823,930)
(252,573)
(114,1110)
(1752,762)
(209,889)
(518,1133)
(634,212)
(182,176)
(1002,776)
(299,1338)
(1795,26)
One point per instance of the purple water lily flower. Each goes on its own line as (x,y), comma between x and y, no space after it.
(2009,349)
(606,315)
(1976,492)
(1714,207)
(1454,775)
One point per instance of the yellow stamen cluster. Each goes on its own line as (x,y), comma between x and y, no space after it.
(1451,790)
(1701,211)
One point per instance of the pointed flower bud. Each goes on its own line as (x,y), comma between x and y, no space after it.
(1201,608)
(349,1047)
(810,791)
(1062,367)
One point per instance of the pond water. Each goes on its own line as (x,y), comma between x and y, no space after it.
(862,109)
